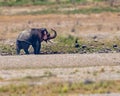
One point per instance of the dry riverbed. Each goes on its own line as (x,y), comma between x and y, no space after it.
(37,70)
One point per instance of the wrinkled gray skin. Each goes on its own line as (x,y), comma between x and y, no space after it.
(33,37)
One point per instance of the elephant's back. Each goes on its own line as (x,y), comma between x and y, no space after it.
(24,35)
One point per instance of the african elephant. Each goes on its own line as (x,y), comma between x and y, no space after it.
(33,37)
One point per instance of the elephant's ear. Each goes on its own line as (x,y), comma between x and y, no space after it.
(43,31)
(45,35)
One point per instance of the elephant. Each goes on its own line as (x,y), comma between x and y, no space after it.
(34,37)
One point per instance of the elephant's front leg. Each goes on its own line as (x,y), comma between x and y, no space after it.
(37,47)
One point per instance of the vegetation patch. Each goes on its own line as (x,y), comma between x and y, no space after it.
(48,2)
(60,6)
(67,45)
(60,9)
(6,49)
(38,2)
(93,10)
(60,88)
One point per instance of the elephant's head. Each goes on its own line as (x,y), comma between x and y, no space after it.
(47,36)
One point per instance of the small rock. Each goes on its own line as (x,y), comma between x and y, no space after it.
(73,30)
(115,46)
(95,37)
(105,50)
(76,43)
(88,81)
(82,52)
(84,46)
(5,54)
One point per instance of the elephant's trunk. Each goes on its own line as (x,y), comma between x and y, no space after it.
(55,34)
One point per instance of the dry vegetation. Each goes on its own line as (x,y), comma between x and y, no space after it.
(94,30)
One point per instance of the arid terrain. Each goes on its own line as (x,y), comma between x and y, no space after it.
(34,70)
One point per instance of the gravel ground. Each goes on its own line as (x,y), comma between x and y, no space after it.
(66,66)
(61,68)
(59,60)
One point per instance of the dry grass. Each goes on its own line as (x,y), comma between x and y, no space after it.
(86,26)
(60,88)
(103,25)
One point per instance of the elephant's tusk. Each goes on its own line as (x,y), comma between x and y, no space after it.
(50,41)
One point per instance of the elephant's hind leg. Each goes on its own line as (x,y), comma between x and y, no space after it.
(26,51)
(25,47)
(18,47)
(17,51)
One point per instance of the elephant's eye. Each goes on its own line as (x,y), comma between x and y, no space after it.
(48,35)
